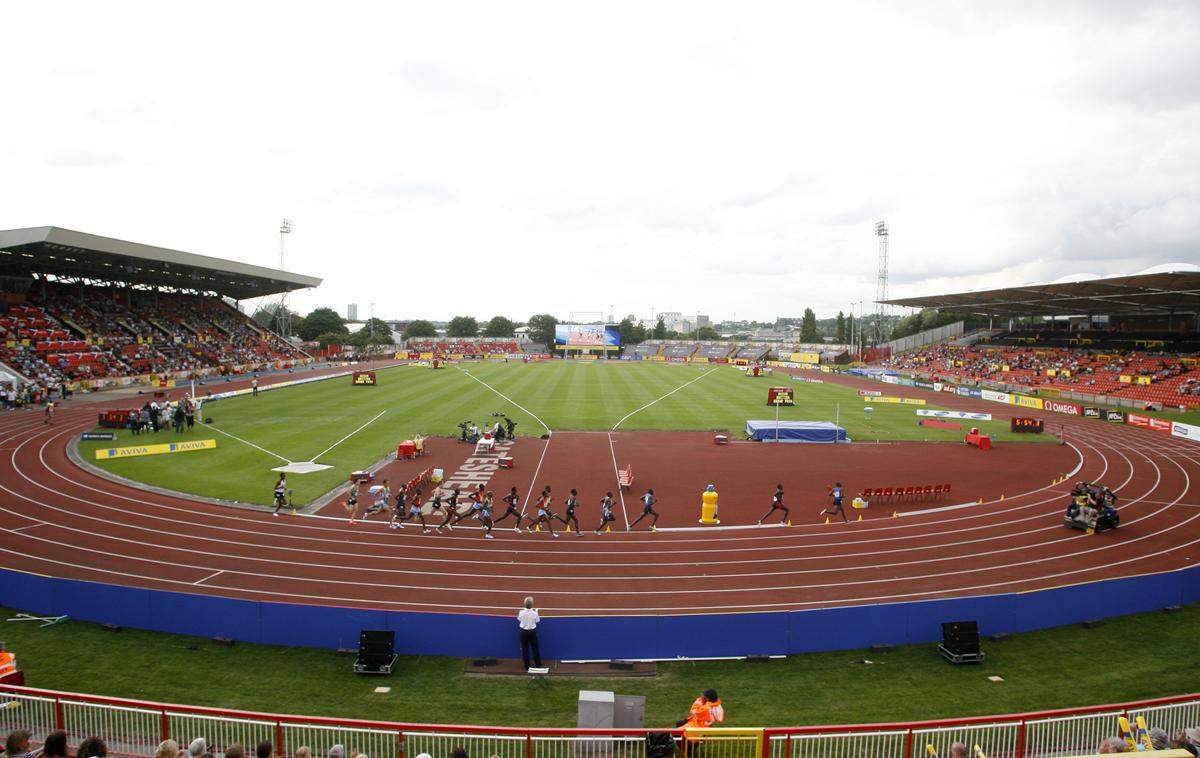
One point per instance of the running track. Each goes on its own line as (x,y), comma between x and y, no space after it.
(61,521)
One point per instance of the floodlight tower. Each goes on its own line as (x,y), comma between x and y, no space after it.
(283,317)
(881,231)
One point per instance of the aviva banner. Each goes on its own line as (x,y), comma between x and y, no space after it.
(171,447)
(897,400)
(1025,402)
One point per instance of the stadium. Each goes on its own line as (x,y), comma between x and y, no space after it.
(589,408)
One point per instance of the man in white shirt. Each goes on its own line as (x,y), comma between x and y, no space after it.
(528,620)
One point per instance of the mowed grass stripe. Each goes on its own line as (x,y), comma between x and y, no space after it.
(299,422)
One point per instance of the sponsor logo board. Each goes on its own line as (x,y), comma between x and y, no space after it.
(923,384)
(1061,406)
(1091,412)
(869,393)
(1160,425)
(1187,431)
(995,397)
(1025,402)
(108,436)
(138,450)
(1114,417)
(956,414)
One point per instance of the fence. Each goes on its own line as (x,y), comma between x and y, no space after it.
(913,341)
(134,728)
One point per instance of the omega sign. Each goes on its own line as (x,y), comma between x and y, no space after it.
(1071,409)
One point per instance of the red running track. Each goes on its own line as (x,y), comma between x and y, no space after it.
(59,520)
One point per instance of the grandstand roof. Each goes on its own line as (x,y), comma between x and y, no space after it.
(67,253)
(1144,293)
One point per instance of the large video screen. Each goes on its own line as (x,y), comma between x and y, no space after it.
(587,335)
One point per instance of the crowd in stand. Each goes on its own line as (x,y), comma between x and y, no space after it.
(1135,375)
(18,745)
(71,334)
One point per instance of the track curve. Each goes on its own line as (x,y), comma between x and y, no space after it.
(60,520)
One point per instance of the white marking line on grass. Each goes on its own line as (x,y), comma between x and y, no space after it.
(251,444)
(616,468)
(664,397)
(348,436)
(210,576)
(537,469)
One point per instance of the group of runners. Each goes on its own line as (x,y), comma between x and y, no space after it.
(446,511)
(446,508)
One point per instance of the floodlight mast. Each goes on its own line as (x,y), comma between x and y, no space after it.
(881,231)
(283,316)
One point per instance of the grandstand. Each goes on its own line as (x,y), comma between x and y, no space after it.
(86,312)
(1131,338)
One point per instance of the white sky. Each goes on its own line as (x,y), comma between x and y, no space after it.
(444,158)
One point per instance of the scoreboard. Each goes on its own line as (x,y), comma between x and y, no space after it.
(1028,425)
(780,396)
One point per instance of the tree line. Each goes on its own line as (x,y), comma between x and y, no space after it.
(324,325)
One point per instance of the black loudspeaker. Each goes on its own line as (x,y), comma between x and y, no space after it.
(376,652)
(960,642)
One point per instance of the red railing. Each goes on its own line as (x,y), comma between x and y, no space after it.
(134,727)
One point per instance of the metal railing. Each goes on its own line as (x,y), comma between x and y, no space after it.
(133,729)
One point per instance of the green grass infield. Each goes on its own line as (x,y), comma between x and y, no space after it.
(1126,658)
(351,427)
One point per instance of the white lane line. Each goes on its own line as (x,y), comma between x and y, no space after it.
(213,575)
(251,444)
(27,526)
(348,436)
(617,474)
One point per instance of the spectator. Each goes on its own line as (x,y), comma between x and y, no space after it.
(958,750)
(706,711)
(198,748)
(17,744)
(55,745)
(264,749)
(458,752)
(1113,745)
(303,752)
(92,747)
(235,751)
(167,749)
(1158,738)
(337,751)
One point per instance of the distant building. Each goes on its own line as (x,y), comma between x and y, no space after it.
(702,321)
(352,312)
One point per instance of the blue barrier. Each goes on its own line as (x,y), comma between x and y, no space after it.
(587,637)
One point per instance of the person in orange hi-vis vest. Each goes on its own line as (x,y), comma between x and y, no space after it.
(706,711)
(8,661)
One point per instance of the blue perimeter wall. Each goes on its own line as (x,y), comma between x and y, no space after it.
(594,637)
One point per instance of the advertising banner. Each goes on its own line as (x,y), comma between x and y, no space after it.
(974,392)
(1187,431)
(1025,402)
(1091,412)
(889,379)
(1062,406)
(1160,425)
(923,384)
(171,447)
(1114,417)
(869,393)
(1141,422)
(956,414)
(912,401)
(804,357)
(995,397)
